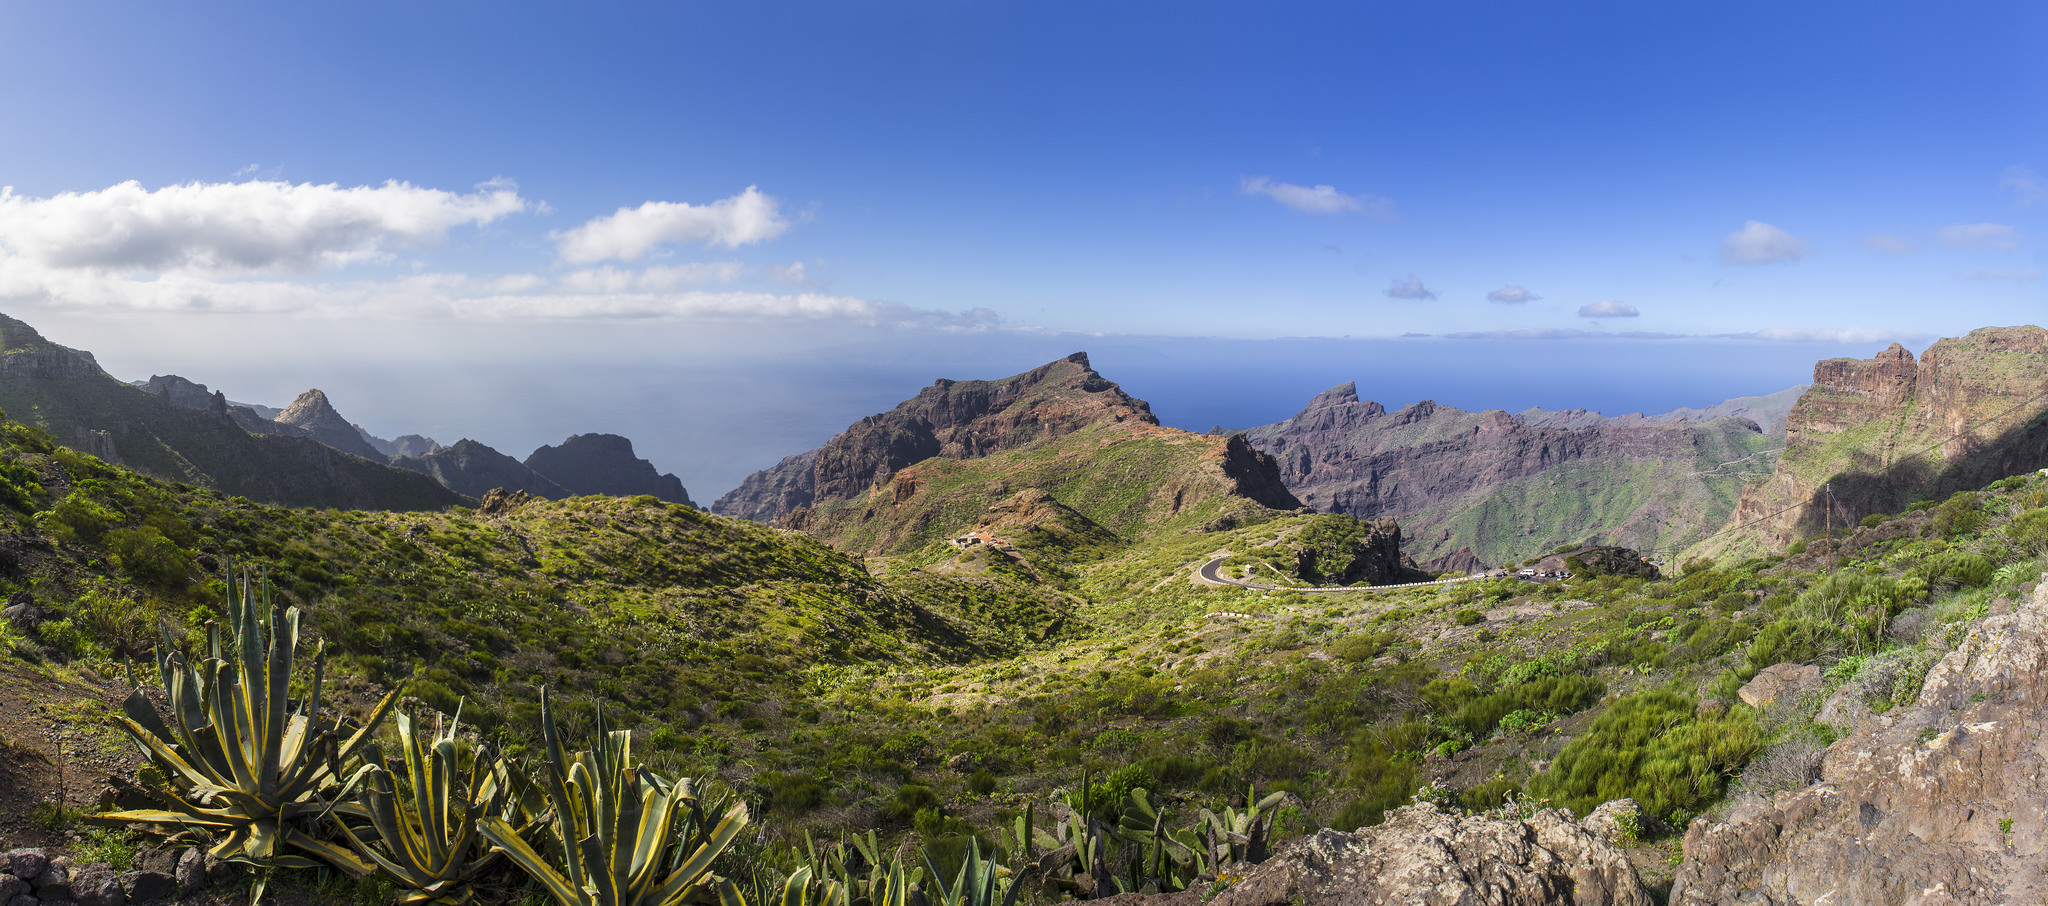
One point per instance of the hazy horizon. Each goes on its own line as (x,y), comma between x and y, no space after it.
(677,221)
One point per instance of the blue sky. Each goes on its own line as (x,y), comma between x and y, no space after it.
(757,221)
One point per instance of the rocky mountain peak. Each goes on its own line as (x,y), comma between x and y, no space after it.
(951,419)
(604,464)
(179,391)
(1341,395)
(312,414)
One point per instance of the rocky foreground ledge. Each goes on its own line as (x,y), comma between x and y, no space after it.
(1942,802)
(1426,856)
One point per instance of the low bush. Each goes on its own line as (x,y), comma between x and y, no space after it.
(1655,748)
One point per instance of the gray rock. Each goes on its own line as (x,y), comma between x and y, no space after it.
(27,863)
(11,887)
(53,884)
(24,900)
(161,861)
(1778,681)
(1423,854)
(148,886)
(97,885)
(1618,821)
(191,872)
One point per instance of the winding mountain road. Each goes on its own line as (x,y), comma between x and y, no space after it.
(1212,573)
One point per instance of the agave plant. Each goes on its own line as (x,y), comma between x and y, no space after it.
(624,835)
(428,827)
(238,764)
(801,888)
(1157,862)
(979,883)
(1236,836)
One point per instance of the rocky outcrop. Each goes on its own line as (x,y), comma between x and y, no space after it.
(950,419)
(1425,855)
(179,391)
(1939,802)
(1506,489)
(30,876)
(1370,553)
(473,469)
(316,418)
(1874,435)
(604,464)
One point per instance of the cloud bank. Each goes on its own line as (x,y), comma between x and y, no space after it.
(1761,243)
(259,226)
(261,245)
(1319,199)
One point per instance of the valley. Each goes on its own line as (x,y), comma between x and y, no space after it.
(1011,618)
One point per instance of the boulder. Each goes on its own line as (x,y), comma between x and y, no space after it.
(1936,802)
(1424,854)
(27,864)
(148,886)
(1778,681)
(53,884)
(97,885)
(11,887)
(25,900)
(191,872)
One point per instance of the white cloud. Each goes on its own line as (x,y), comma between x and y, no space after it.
(2027,187)
(598,293)
(1890,244)
(1608,308)
(2017,276)
(1319,199)
(631,233)
(1410,287)
(239,227)
(1512,295)
(1761,243)
(1996,237)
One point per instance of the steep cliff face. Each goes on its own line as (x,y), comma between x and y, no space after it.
(64,392)
(1875,435)
(1476,488)
(929,468)
(604,464)
(473,469)
(950,419)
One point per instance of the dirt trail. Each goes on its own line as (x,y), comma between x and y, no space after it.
(56,729)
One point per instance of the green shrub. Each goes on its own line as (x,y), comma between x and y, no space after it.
(1655,748)
(1874,520)
(1960,515)
(1467,617)
(910,799)
(2029,531)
